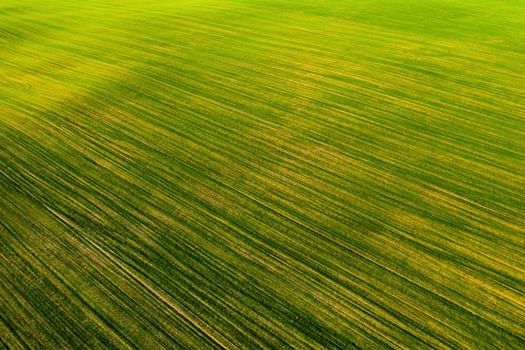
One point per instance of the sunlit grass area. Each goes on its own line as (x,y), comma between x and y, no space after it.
(262,174)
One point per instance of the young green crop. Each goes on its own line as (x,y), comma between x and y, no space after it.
(262,174)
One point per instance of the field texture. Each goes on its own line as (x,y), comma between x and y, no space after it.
(262,174)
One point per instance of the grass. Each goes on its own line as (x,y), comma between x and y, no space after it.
(262,174)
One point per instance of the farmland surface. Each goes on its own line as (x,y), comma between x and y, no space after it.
(262,174)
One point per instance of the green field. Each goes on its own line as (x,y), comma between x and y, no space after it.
(262,174)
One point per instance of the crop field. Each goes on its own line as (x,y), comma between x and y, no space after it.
(255,174)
